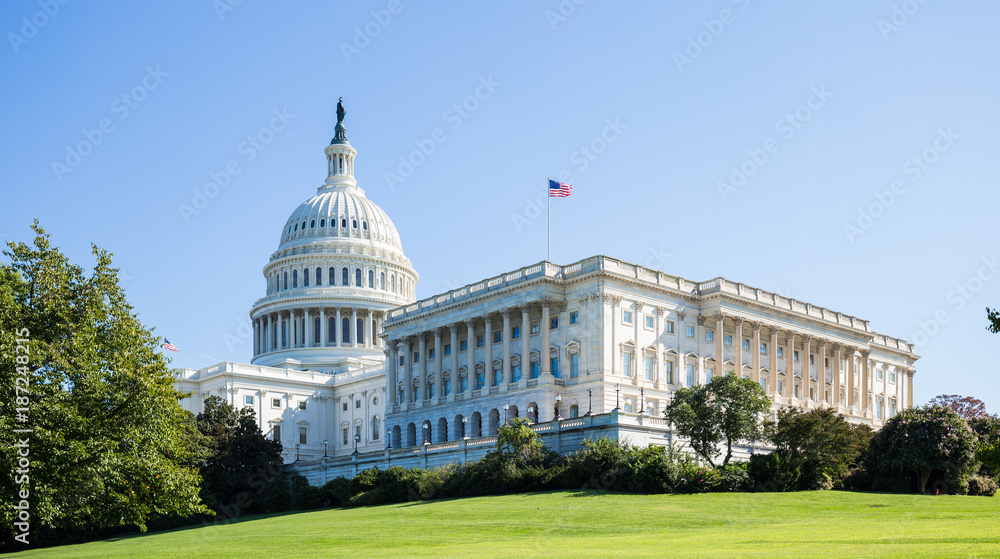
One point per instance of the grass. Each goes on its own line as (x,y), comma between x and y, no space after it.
(594,524)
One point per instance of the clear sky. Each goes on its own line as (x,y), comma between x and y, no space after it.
(843,154)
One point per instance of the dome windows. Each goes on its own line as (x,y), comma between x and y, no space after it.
(319,276)
(296,227)
(305,277)
(357,277)
(295,279)
(345,277)
(354,224)
(333,276)
(343,222)
(322,222)
(364,225)
(371,279)
(312,224)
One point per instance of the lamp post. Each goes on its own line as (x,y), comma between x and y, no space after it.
(642,401)
(558,399)
(590,396)
(465,430)
(357,439)
(531,410)
(388,438)
(426,441)
(505,408)
(296,452)
(618,389)
(325,442)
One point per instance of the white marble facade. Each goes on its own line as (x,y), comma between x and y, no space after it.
(543,342)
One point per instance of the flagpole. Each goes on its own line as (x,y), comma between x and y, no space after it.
(548,211)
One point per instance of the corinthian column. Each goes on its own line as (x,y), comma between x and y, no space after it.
(505,336)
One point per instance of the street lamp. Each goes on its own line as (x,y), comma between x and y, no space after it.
(642,401)
(465,430)
(296,452)
(558,399)
(505,408)
(618,389)
(357,439)
(388,438)
(325,442)
(531,410)
(426,440)
(590,396)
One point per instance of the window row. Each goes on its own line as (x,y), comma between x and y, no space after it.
(301,226)
(348,277)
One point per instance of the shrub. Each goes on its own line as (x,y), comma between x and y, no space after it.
(982,485)
(816,447)
(304,496)
(773,472)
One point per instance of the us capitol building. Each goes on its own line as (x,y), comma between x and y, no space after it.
(350,371)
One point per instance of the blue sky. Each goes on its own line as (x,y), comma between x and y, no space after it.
(842,154)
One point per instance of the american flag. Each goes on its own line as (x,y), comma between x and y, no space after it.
(559,189)
(168,345)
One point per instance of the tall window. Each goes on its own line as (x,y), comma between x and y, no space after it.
(319,276)
(709,371)
(746,344)
(668,372)
(316,326)
(447,387)
(360,329)
(497,377)
(727,340)
(381,281)
(286,281)
(574,365)
(480,380)
(357,277)
(430,390)
(554,363)
(763,348)
(371,279)
(464,383)
(627,364)
(649,367)
(534,369)
(345,277)
(375,427)
(302,435)
(331,335)
(345,330)
(332,276)
(574,411)
(690,375)
(305,277)
(392,283)
(709,335)
(515,372)
(276,433)
(295,279)
(284,333)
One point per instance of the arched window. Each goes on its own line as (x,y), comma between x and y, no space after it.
(376,427)
(343,222)
(357,277)
(312,224)
(286,281)
(331,335)
(333,276)
(381,281)
(354,223)
(360,330)
(392,283)
(319,276)
(305,277)
(371,279)
(345,277)
(284,333)
(345,329)
(295,279)
(322,222)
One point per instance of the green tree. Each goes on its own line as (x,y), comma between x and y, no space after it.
(518,444)
(242,464)
(920,441)
(726,409)
(819,443)
(108,445)
(993,316)
(987,430)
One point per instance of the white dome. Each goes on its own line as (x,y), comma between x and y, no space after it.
(341,213)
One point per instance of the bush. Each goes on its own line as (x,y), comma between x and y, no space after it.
(982,485)
(304,496)
(773,472)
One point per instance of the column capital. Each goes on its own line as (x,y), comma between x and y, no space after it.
(505,313)
(584,299)
(821,343)
(545,301)
(470,322)
(806,338)
(719,316)
(596,296)
(660,311)
(525,307)
(849,349)
(681,314)
(773,330)
(437,333)
(836,346)
(866,352)
(757,325)
(789,335)
(616,300)
(701,319)
(487,318)
(638,306)
(739,320)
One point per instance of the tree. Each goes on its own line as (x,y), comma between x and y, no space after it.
(966,407)
(518,444)
(819,443)
(987,430)
(107,446)
(993,316)
(242,463)
(725,409)
(920,441)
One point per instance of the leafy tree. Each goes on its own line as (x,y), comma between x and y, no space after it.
(242,463)
(725,409)
(518,444)
(993,316)
(966,407)
(920,441)
(988,445)
(108,445)
(819,444)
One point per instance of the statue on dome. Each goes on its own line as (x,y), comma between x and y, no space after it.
(340,111)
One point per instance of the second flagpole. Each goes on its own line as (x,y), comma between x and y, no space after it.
(548,214)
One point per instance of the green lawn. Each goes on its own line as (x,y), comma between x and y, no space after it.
(592,524)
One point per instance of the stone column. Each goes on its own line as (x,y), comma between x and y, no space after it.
(837,353)
(470,326)
(354,327)
(407,360)
(909,389)
(438,369)
(339,331)
(453,328)
(309,328)
(505,336)
(851,371)
(821,371)
(391,368)
(806,368)
(755,351)
(661,361)
(772,361)
(268,342)
(545,366)
(720,337)
(488,348)
(367,321)
(526,341)
(865,379)
(422,368)
(738,346)
(293,329)
(256,332)
(324,327)
(789,388)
